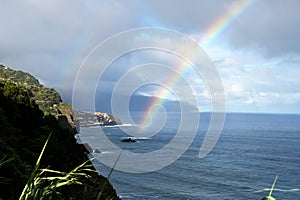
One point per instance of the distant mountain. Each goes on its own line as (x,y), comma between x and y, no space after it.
(139,103)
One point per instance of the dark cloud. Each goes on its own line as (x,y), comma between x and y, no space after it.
(270,27)
(50,39)
(188,17)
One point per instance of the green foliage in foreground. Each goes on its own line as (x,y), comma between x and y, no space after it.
(23,130)
(46,183)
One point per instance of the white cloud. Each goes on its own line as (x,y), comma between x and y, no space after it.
(250,79)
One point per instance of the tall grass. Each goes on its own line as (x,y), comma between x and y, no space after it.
(46,183)
(50,184)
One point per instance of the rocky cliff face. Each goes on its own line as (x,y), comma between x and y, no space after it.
(24,129)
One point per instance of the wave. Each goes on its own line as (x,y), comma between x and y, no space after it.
(121,125)
(127,125)
(106,152)
(142,138)
(277,189)
(137,138)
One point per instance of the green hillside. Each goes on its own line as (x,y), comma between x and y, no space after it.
(17,77)
(24,129)
(46,98)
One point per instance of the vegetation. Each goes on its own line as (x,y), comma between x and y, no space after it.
(23,130)
(46,98)
(46,183)
(17,77)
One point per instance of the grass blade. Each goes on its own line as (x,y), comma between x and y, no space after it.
(30,182)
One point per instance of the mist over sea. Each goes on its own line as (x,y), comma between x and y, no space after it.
(252,150)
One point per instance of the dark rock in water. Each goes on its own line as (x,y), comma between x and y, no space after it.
(128,140)
(96,151)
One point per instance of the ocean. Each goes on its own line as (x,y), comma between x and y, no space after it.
(251,151)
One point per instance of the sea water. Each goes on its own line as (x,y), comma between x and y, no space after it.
(252,150)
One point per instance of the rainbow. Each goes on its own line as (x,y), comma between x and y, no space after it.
(224,21)
(211,33)
(151,111)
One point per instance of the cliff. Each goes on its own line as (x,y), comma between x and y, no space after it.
(24,128)
(50,102)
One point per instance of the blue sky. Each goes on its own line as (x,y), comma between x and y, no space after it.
(257,55)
